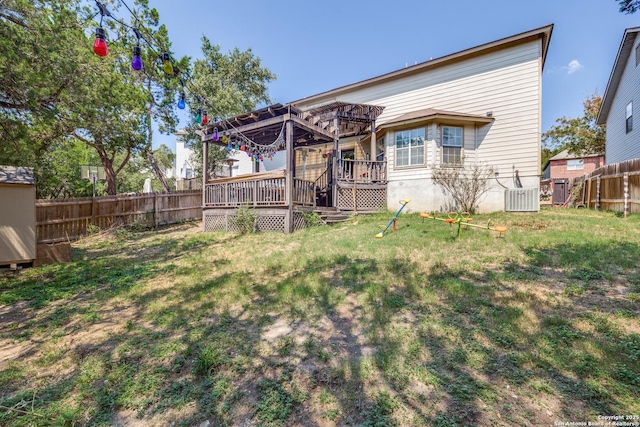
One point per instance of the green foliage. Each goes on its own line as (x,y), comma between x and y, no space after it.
(379,413)
(581,135)
(312,219)
(245,219)
(228,84)
(464,185)
(629,6)
(209,359)
(274,405)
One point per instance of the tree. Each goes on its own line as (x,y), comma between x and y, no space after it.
(629,6)
(465,185)
(137,170)
(42,46)
(159,87)
(52,86)
(225,85)
(581,135)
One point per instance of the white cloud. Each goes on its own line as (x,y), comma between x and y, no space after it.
(573,66)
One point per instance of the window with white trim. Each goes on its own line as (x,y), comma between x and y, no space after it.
(575,164)
(629,116)
(410,147)
(451,145)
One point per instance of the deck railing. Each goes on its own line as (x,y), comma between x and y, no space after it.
(304,192)
(362,171)
(257,192)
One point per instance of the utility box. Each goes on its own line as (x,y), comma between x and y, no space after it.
(522,200)
(17,215)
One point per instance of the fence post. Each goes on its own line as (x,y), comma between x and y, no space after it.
(156,212)
(93,211)
(598,193)
(626,193)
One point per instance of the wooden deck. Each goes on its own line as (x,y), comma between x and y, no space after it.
(258,190)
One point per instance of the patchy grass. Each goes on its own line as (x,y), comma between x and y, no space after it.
(330,326)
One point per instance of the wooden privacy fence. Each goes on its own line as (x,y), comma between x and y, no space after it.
(614,187)
(60,220)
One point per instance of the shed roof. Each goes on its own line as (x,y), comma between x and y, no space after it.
(624,51)
(16,175)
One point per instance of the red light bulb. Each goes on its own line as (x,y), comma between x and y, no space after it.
(100,45)
(205,118)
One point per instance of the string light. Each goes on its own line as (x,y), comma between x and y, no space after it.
(181,103)
(100,45)
(166,63)
(205,118)
(198,117)
(136,61)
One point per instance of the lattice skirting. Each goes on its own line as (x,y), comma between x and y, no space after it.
(266,220)
(367,199)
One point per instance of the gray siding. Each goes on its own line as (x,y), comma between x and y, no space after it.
(621,145)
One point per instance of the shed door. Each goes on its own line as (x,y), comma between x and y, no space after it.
(560,191)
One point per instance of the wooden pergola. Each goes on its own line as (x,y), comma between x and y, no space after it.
(275,128)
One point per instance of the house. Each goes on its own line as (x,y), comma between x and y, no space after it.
(620,98)
(565,165)
(367,145)
(184,171)
(183,167)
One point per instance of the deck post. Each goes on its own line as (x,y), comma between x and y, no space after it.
(205,168)
(288,223)
(374,147)
(334,174)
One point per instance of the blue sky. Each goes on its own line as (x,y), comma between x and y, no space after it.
(318,46)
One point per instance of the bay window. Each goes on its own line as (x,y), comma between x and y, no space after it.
(410,147)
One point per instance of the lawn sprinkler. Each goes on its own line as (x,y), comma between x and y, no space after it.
(403,202)
(464,218)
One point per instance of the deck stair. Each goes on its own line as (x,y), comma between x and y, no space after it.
(331,215)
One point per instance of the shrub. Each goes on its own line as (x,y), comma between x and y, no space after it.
(245,219)
(466,185)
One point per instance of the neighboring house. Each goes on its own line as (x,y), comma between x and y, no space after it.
(183,165)
(183,168)
(566,165)
(622,100)
(480,105)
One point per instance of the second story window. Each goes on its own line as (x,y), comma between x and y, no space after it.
(575,164)
(629,114)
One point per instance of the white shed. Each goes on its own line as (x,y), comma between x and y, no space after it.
(17,215)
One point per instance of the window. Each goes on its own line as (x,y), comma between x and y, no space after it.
(629,117)
(637,55)
(451,145)
(575,164)
(410,147)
